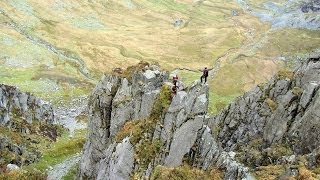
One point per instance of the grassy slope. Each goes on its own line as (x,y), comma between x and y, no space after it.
(121,33)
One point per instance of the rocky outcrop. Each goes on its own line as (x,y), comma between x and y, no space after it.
(281,113)
(22,114)
(118,162)
(174,131)
(115,101)
(13,102)
(285,110)
(311,5)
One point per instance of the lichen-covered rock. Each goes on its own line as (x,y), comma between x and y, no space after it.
(14,102)
(183,139)
(176,130)
(118,163)
(114,101)
(285,110)
(100,107)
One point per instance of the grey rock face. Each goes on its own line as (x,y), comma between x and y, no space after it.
(211,153)
(118,164)
(283,110)
(13,102)
(115,101)
(183,139)
(122,106)
(308,132)
(100,104)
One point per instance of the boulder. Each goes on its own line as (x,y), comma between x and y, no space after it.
(12,167)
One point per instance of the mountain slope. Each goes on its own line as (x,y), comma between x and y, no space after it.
(67,42)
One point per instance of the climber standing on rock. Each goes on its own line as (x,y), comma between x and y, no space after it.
(175,80)
(205,75)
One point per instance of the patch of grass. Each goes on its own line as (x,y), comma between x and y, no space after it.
(271,172)
(72,173)
(297,91)
(24,175)
(147,151)
(218,102)
(306,174)
(250,154)
(285,74)
(31,138)
(135,129)
(277,151)
(63,148)
(162,102)
(185,172)
(291,42)
(168,5)
(254,155)
(188,77)
(50,87)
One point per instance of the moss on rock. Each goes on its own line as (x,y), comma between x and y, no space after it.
(185,172)
(272,104)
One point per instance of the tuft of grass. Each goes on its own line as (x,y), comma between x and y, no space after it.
(277,151)
(285,74)
(254,155)
(24,175)
(306,174)
(272,105)
(297,91)
(250,154)
(270,172)
(147,151)
(162,102)
(135,129)
(185,172)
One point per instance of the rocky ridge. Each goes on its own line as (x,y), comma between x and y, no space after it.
(276,123)
(116,103)
(285,110)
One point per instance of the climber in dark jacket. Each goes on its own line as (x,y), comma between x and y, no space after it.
(174,89)
(175,80)
(205,74)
